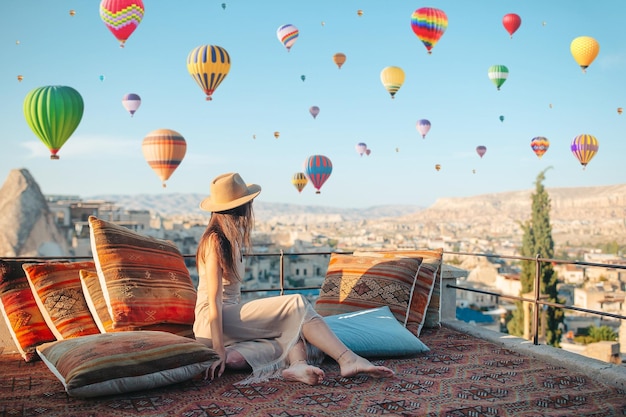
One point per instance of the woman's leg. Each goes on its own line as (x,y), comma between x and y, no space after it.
(317,332)
(299,370)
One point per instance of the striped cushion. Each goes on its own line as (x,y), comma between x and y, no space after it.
(98,307)
(59,295)
(21,312)
(144,280)
(115,363)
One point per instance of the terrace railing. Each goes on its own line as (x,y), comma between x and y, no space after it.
(537,302)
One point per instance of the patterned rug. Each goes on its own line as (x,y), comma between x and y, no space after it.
(460,376)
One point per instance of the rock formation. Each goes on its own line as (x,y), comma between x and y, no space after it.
(27,226)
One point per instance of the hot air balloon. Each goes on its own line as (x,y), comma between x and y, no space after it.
(164,150)
(619,110)
(423,126)
(584,148)
(501,118)
(53,113)
(361,148)
(359,12)
(223,6)
(303,77)
(208,65)
(368,151)
(429,24)
(20,78)
(101,77)
(314,110)
(437,167)
(121,17)
(317,169)
(299,180)
(339,58)
(539,145)
(287,34)
(480,150)
(131,103)
(584,49)
(392,79)
(72,12)
(276,135)
(511,23)
(498,74)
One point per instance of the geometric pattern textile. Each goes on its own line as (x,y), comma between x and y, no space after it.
(20,311)
(354,283)
(460,376)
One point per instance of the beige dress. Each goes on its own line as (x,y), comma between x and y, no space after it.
(262,330)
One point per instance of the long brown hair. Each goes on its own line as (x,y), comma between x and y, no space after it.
(228,230)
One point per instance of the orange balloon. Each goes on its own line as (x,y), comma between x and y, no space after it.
(339,58)
(164,150)
(20,77)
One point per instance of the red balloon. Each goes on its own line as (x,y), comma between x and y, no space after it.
(511,23)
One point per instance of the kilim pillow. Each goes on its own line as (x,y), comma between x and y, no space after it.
(59,295)
(431,265)
(115,363)
(354,283)
(21,312)
(375,333)
(144,280)
(100,312)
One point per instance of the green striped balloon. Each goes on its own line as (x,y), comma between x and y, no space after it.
(498,74)
(53,113)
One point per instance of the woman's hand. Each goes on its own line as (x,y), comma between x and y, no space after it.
(217,368)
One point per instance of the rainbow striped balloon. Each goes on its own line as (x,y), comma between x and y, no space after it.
(121,17)
(287,35)
(164,150)
(584,147)
(317,169)
(539,145)
(429,24)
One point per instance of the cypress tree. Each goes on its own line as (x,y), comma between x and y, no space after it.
(537,240)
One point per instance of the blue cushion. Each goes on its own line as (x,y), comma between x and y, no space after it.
(375,333)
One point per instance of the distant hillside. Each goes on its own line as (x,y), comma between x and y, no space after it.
(184,204)
(578,215)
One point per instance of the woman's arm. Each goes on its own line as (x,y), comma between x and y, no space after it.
(213,272)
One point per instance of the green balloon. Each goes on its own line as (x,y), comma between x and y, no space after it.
(498,74)
(53,113)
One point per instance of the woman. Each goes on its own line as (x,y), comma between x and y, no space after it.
(268,335)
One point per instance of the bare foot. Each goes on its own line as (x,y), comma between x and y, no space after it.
(355,364)
(303,372)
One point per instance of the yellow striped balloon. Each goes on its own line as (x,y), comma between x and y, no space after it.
(584,147)
(584,49)
(299,180)
(208,65)
(164,150)
(392,79)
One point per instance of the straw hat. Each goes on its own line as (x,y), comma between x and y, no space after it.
(229,191)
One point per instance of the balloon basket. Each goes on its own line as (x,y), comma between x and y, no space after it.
(54,157)
(318,192)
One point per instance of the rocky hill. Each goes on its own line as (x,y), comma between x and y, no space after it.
(581,214)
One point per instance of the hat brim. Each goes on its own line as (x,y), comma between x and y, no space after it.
(208,205)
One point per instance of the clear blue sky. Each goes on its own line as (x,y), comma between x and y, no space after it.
(546,94)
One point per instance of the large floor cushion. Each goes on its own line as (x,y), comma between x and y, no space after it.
(116,363)
(144,280)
